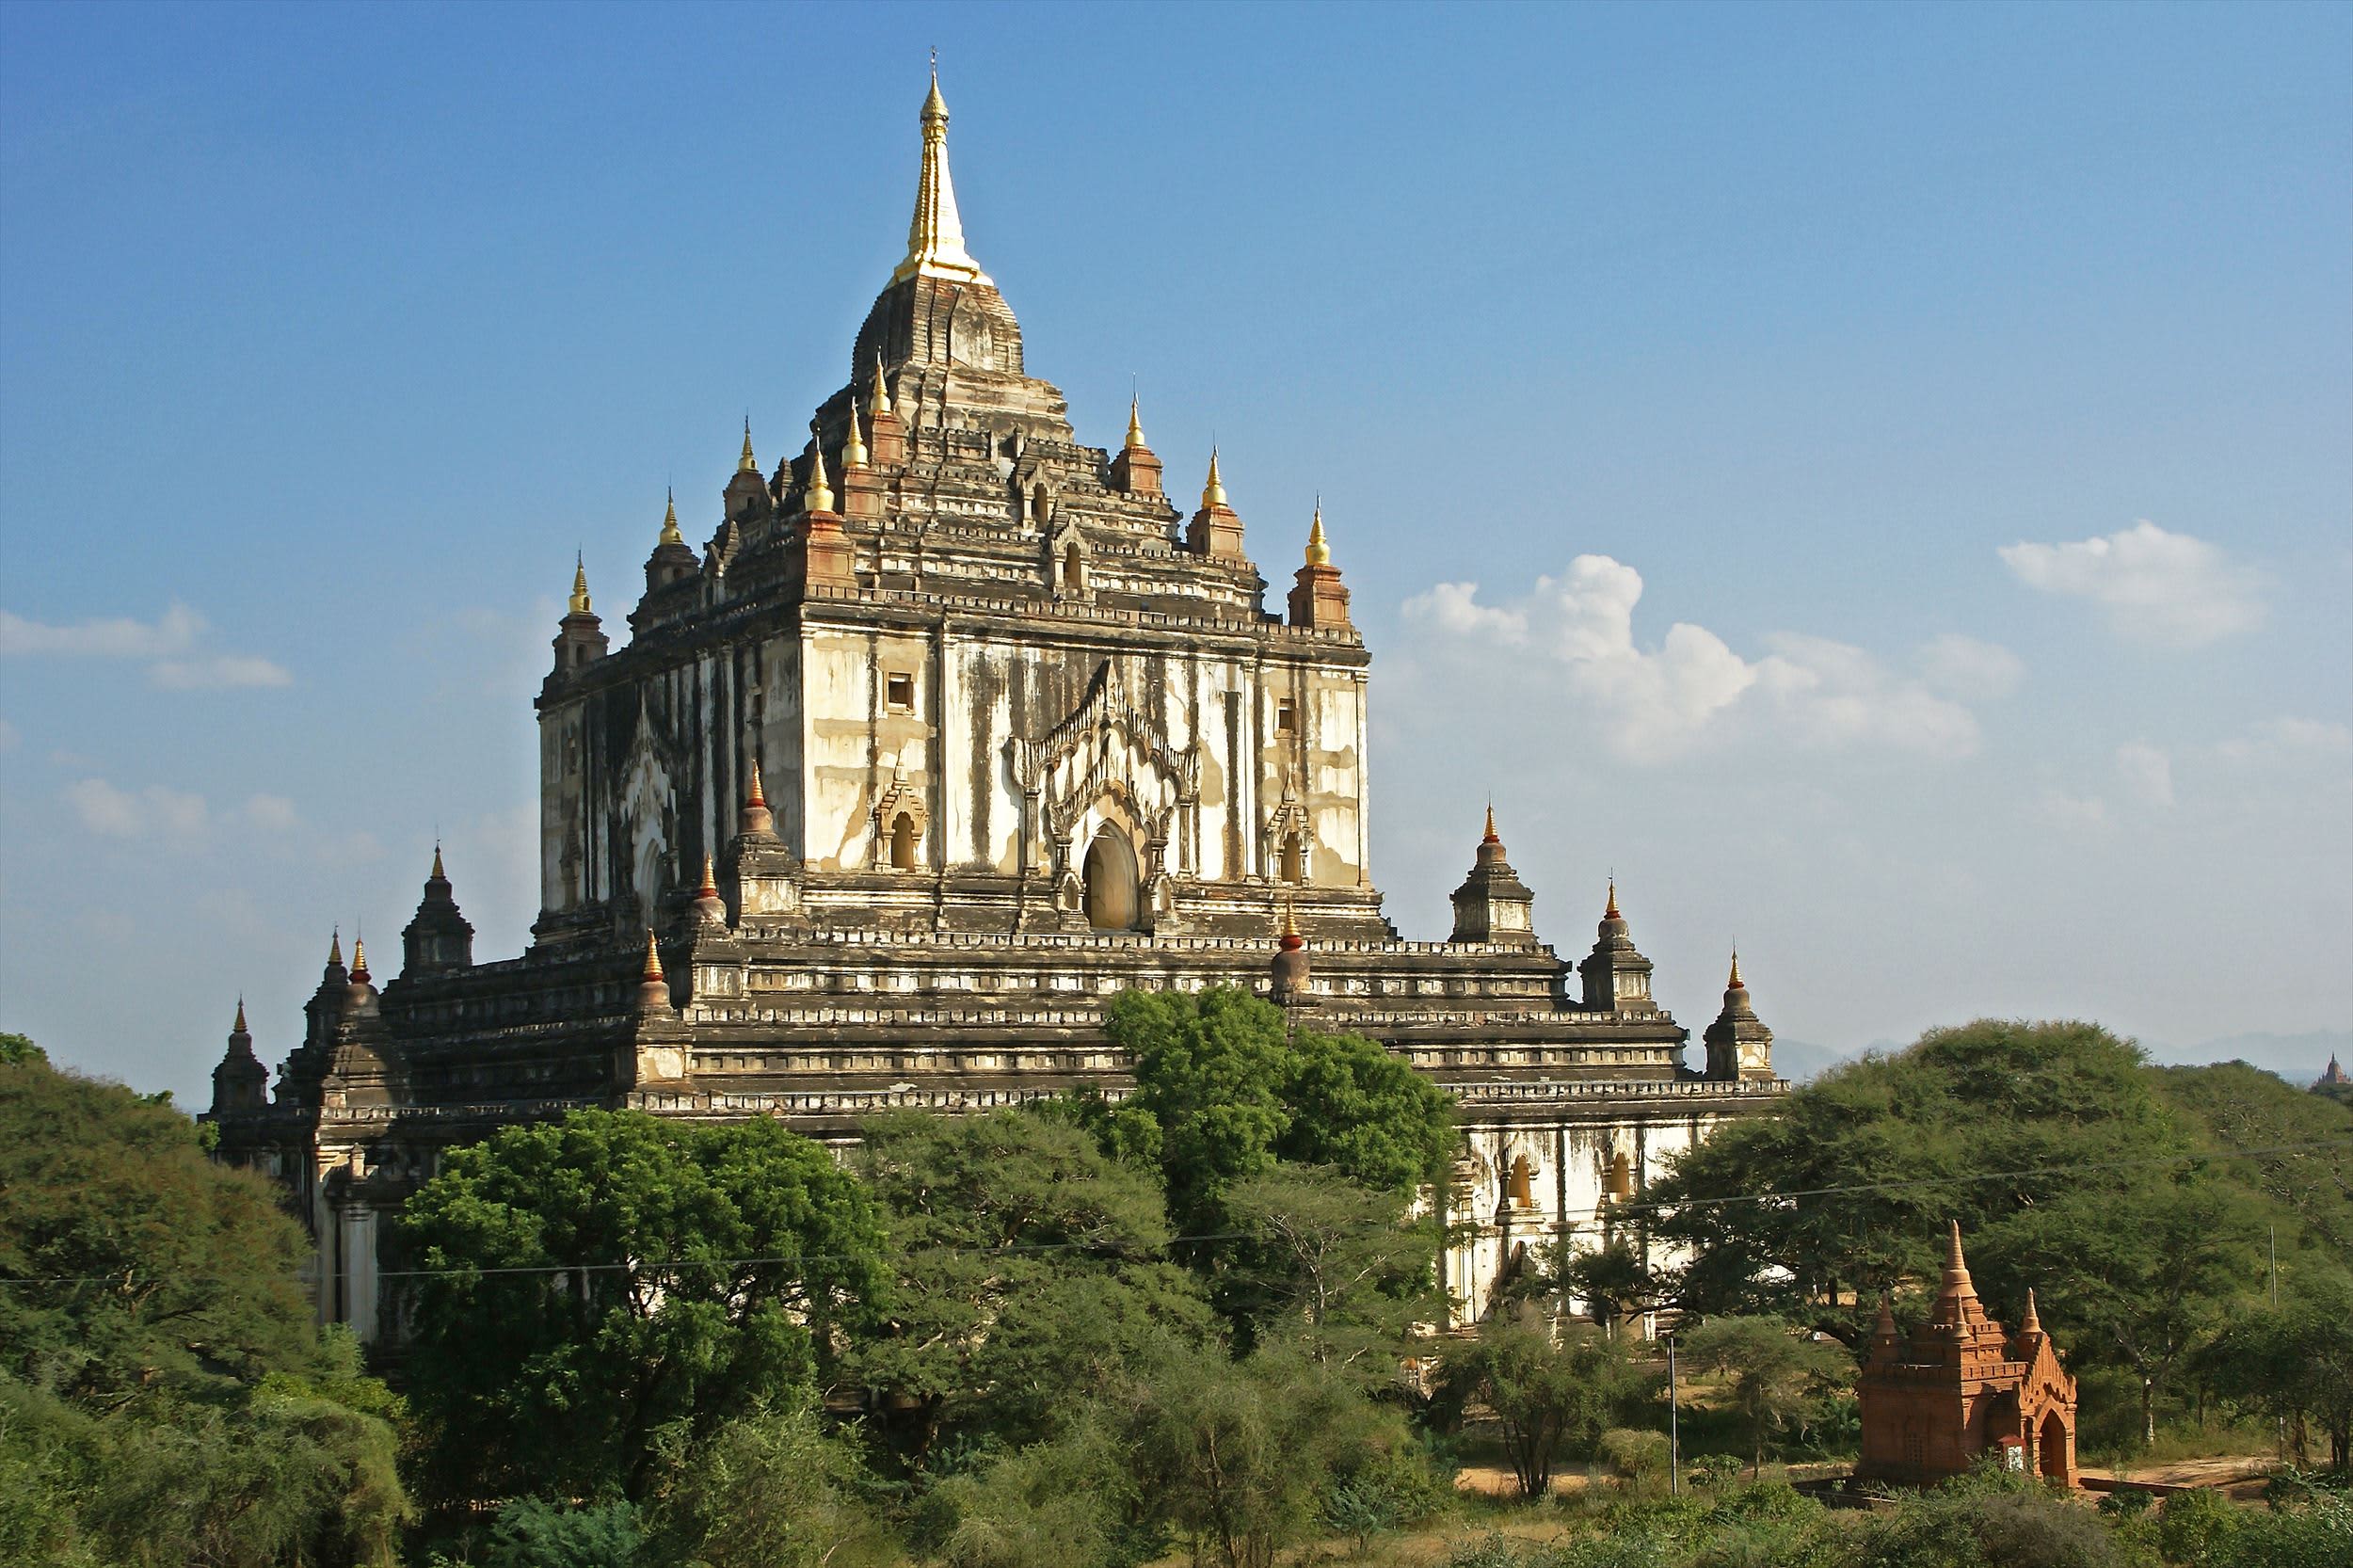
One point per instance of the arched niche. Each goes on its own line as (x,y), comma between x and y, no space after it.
(1112,884)
(903,842)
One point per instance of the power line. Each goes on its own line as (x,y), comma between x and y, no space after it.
(1012,1248)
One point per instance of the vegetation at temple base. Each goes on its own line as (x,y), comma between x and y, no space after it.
(164,1396)
(2053,1144)
(592,1290)
(1189,1327)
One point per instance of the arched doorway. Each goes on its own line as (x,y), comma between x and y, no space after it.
(902,842)
(1073,570)
(2050,1448)
(1110,882)
(1294,868)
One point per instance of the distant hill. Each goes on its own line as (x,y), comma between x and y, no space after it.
(2297,1058)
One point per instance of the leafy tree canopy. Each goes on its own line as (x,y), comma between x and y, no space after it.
(590,1283)
(1227,1094)
(1028,1264)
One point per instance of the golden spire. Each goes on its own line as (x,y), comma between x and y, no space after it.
(335,948)
(669,521)
(1489,837)
(438,874)
(935,234)
(1213,491)
(853,449)
(1318,553)
(1611,913)
(1135,426)
(755,797)
(358,957)
(580,585)
(710,881)
(653,957)
(878,400)
(1734,984)
(1291,919)
(818,497)
(238,1028)
(747,463)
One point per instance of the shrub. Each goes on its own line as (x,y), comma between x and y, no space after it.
(2195,1528)
(1637,1458)
(534,1532)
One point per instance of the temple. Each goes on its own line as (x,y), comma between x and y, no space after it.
(1962,1387)
(952,727)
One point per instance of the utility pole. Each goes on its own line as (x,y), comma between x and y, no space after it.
(1674,1436)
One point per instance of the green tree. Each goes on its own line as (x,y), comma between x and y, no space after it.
(1613,1279)
(1335,1266)
(768,1489)
(590,1283)
(1779,1375)
(2296,1362)
(1886,1150)
(1241,1456)
(1027,1264)
(2146,1294)
(1229,1093)
(148,1266)
(164,1396)
(2303,1144)
(1553,1394)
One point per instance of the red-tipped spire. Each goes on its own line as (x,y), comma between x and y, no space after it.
(1490,836)
(1610,913)
(756,797)
(711,886)
(360,975)
(653,958)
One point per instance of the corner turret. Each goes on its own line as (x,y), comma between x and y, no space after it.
(747,497)
(1493,904)
(440,938)
(1215,530)
(673,558)
(1318,601)
(1738,1043)
(1135,470)
(1617,978)
(240,1083)
(580,638)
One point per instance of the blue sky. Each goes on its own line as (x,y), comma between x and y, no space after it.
(1879,478)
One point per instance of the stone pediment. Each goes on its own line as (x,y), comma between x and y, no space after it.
(1106,745)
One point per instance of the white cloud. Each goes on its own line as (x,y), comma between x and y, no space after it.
(169,644)
(2154,586)
(2081,814)
(120,637)
(1969,669)
(155,811)
(1656,703)
(1452,607)
(2288,741)
(217,672)
(2148,772)
(274,812)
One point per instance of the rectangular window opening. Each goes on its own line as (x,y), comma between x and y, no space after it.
(1285,717)
(899,691)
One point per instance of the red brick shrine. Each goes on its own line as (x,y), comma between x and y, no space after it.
(1963,1386)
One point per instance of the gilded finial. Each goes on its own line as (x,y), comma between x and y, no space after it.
(878,400)
(438,874)
(852,449)
(755,797)
(1734,983)
(935,234)
(580,585)
(747,463)
(335,948)
(1489,837)
(1611,913)
(1135,426)
(1318,553)
(238,1028)
(1212,492)
(818,497)
(653,957)
(710,881)
(1291,919)
(359,958)
(669,519)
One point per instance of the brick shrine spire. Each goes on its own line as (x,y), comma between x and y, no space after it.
(935,236)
